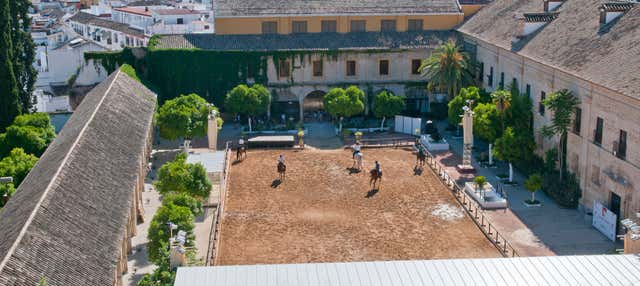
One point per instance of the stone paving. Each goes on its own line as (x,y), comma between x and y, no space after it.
(533,231)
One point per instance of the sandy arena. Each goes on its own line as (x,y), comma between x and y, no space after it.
(322,213)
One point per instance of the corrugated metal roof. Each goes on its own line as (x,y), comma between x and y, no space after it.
(551,270)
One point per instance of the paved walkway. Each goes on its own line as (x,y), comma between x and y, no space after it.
(322,135)
(538,231)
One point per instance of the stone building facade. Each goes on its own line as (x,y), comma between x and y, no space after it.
(593,60)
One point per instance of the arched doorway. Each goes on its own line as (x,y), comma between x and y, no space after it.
(313,106)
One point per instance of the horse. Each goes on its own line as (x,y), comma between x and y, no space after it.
(241,153)
(357,160)
(376,177)
(421,157)
(282,170)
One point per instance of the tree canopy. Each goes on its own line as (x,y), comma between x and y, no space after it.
(344,102)
(184,200)
(31,132)
(387,104)
(17,165)
(178,176)
(159,231)
(9,98)
(184,117)
(563,105)
(486,122)
(252,101)
(448,69)
(460,100)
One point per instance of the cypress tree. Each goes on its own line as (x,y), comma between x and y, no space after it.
(9,101)
(23,52)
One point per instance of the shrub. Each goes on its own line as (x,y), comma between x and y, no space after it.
(181,177)
(159,231)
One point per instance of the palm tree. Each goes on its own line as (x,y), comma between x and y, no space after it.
(448,69)
(502,101)
(563,104)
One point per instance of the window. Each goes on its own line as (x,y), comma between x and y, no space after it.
(384,67)
(180,21)
(597,136)
(543,96)
(622,145)
(490,78)
(388,25)
(284,69)
(415,66)
(317,68)
(358,26)
(329,26)
(577,121)
(351,68)
(299,27)
(206,27)
(415,25)
(501,80)
(481,71)
(528,91)
(269,27)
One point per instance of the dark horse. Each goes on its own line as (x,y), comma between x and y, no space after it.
(376,177)
(282,170)
(241,153)
(421,157)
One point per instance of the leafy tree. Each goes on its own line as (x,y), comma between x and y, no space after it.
(562,104)
(31,132)
(486,122)
(502,100)
(161,276)
(387,104)
(456,104)
(505,149)
(184,117)
(184,200)
(448,69)
(532,184)
(519,114)
(250,101)
(342,103)
(159,229)
(9,96)
(178,176)
(17,165)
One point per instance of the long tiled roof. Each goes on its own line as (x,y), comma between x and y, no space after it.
(575,42)
(246,8)
(86,18)
(68,218)
(309,41)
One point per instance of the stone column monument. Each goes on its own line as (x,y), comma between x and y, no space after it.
(467,128)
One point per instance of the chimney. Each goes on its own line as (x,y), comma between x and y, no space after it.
(611,10)
(546,5)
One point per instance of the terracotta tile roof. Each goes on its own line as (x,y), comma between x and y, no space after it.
(68,218)
(308,41)
(175,12)
(575,42)
(239,8)
(143,11)
(86,18)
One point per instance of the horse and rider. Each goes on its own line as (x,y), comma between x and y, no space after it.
(282,168)
(421,157)
(241,151)
(376,175)
(357,156)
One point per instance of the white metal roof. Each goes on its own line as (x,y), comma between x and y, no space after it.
(551,270)
(212,161)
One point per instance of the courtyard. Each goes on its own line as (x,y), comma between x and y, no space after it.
(324,212)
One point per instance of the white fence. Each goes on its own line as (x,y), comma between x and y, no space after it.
(408,125)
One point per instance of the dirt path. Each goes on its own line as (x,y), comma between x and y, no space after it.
(322,213)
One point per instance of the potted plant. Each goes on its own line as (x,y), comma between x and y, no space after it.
(300,138)
(358,135)
(532,184)
(480,181)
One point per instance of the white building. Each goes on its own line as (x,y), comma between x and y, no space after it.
(108,34)
(179,21)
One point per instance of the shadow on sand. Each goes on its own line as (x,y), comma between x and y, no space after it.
(276,183)
(371,193)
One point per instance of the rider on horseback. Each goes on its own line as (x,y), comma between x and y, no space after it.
(356,149)
(281,159)
(378,168)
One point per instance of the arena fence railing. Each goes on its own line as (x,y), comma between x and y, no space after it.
(214,235)
(473,209)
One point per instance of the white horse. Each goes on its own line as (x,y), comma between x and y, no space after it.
(357,157)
